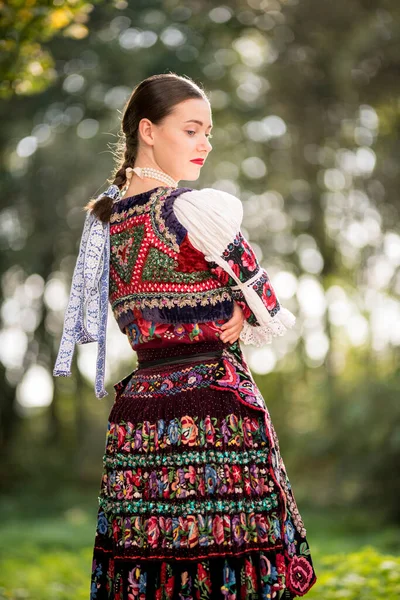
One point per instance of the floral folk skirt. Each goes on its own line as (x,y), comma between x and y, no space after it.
(195,502)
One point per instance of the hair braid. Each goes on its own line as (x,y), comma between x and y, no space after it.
(102,207)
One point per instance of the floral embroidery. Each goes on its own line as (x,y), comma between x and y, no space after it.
(191,431)
(202,582)
(125,248)
(229,588)
(156,384)
(97,572)
(159,267)
(165,582)
(241,258)
(171,482)
(102,523)
(124,211)
(300,575)
(110,575)
(137,583)
(248,580)
(195,531)
(186,587)
(143,331)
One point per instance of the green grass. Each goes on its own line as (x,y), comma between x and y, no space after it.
(46,547)
(46,551)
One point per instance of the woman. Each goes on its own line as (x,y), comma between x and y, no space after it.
(194,499)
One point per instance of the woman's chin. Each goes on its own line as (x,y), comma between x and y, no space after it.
(190,177)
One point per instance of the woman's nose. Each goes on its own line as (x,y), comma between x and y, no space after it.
(205,146)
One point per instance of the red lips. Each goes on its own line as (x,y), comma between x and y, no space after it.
(198,161)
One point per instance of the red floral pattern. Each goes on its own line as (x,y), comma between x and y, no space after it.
(242,259)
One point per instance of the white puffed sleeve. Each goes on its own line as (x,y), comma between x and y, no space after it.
(213,219)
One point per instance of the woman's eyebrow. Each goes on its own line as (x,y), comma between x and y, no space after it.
(196,121)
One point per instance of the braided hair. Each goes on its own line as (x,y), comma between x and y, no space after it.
(153,98)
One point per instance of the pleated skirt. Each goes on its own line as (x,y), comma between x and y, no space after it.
(195,502)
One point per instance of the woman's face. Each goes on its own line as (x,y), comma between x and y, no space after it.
(179,139)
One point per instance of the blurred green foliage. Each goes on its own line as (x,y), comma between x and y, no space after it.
(26,65)
(365,575)
(47,576)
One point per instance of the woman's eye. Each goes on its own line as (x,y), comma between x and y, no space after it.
(208,136)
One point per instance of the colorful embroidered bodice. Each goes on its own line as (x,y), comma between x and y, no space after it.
(171,262)
(160,285)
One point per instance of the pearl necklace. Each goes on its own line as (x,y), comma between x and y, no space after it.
(151,174)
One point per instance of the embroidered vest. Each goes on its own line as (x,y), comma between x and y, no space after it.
(154,268)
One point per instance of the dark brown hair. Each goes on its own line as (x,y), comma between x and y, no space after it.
(153,98)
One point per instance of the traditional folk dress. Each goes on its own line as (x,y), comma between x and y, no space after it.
(195,502)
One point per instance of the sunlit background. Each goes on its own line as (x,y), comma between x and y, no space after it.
(305,98)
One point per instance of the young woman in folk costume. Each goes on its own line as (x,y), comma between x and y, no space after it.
(195,501)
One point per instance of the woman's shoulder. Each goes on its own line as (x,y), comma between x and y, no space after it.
(209,213)
(211,193)
(212,200)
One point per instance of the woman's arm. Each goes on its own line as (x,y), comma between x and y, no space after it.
(213,219)
(264,316)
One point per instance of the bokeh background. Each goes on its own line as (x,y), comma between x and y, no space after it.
(306,111)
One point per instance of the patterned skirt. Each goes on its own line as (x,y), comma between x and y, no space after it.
(195,502)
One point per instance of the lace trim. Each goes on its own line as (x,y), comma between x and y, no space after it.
(85,318)
(261,335)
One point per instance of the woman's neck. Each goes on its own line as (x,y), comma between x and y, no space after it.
(141,188)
